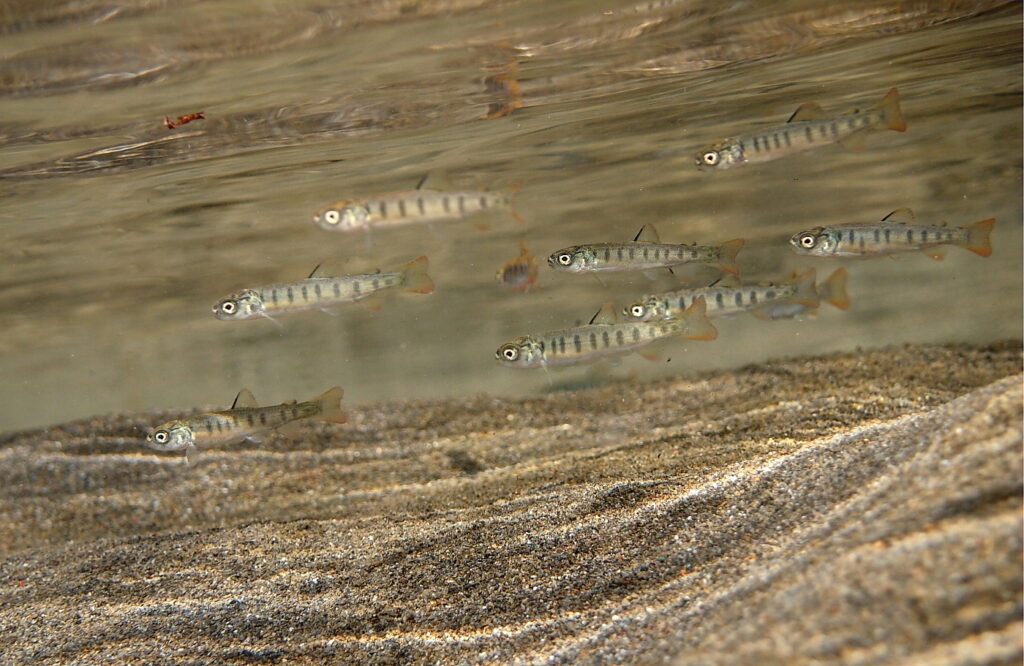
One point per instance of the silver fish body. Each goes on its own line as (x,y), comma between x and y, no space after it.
(723,301)
(808,128)
(885,237)
(243,420)
(642,256)
(411,207)
(321,293)
(580,344)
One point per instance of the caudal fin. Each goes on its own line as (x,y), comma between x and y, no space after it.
(698,326)
(833,290)
(330,405)
(416,279)
(978,236)
(806,293)
(890,108)
(727,256)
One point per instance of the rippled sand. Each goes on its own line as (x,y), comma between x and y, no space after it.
(861,508)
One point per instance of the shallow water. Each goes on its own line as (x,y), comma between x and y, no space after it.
(117,235)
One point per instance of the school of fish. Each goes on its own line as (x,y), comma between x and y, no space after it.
(643,325)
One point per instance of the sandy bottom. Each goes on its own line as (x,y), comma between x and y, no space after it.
(857,509)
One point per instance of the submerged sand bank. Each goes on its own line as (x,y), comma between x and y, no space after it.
(862,508)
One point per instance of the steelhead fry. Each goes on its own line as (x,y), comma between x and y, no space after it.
(603,336)
(895,233)
(322,293)
(808,127)
(244,420)
(644,253)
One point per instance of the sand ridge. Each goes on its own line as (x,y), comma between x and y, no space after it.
(862,508)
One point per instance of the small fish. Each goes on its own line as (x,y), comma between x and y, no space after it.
(245,420)
(323,293)
(807,128)
(723,301)
(832,291)
(519,273)
(896,233)
(644,253)
(603,336)
(413,207)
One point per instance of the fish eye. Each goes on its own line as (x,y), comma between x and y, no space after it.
(710,158)
(332,217)
(637,310)
(160,437)
(228,307)
(565,258)
(807,240)
(509,353)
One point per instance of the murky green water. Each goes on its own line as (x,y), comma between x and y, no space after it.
(118,235)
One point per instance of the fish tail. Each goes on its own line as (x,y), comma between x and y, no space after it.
(978,233)
(330,405)
(890,108)
(698,326)
(416,279)
(806,294)
(833,290)
(727,252)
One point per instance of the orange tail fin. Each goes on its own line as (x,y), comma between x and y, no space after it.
(727,256)
(833,290)
(890,107)
(330,405)
(416,279)
(978,236)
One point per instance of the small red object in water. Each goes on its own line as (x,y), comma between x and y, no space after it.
(171,124)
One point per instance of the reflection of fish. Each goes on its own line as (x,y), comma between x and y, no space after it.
(723,301)
(412,207)
(322,293)
(245,420)
(644,253)
(519,273)
(891,237)
(602,337)
(807,128)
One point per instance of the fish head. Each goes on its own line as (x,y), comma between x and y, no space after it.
(573,259)
(172,436)
(645,310)
(522,352)
(343,216)
(245,304)
(819,241)
(721,155)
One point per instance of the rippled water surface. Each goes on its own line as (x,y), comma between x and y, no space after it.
(117,235)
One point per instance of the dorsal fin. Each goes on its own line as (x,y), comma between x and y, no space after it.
(647,234)
(317,272)
(900,215)
(807,111)
(604,316)
(245,399)
(729,280)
